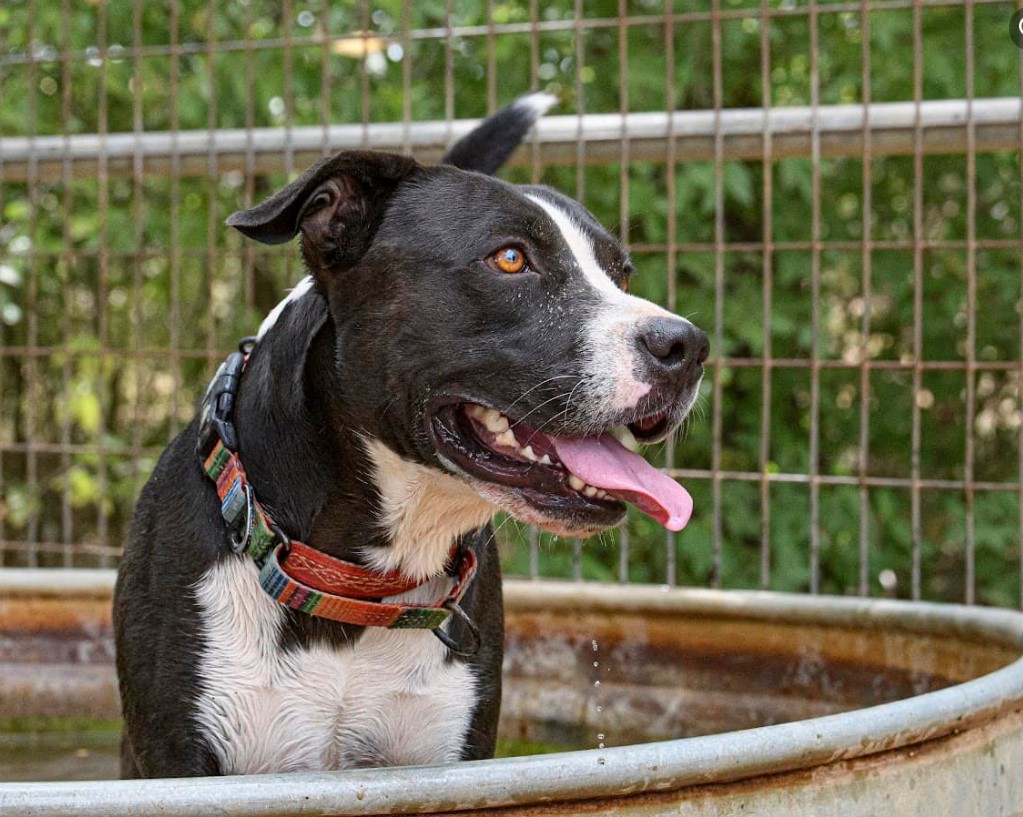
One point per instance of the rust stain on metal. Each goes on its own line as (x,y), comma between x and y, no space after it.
(40,615)
(937,655)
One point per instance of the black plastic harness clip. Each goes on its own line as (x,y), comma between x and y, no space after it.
(217,413)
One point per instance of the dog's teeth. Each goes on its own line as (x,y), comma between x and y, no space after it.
(589,491)
(476,410)
(495,421)
(507,439)
(528,453)
(575,483)
(545,460)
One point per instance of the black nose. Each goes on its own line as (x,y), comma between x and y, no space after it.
(674,348)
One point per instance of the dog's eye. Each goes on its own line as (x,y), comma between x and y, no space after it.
(320,200)
(508,259)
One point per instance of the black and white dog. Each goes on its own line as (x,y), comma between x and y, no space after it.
(461,346)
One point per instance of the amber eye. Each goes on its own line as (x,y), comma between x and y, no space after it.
(508,259)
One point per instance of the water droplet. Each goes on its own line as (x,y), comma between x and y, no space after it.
(596,663)
(594,643)
(596,684)
(600,746)
(600,760)
(600,709)
(600,735)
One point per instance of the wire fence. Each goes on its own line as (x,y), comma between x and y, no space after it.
(831,190)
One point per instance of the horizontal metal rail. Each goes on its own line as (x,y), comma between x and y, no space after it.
(892,127)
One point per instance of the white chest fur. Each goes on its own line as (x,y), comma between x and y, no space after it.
(389,699)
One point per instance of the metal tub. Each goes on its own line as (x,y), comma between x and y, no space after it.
(755,703)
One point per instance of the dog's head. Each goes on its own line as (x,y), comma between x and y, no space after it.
(485,330)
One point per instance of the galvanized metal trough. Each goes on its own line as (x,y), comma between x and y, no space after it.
(835,707)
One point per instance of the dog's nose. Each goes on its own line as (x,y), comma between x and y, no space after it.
(673,348)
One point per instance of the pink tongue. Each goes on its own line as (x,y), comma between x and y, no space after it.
(605,463)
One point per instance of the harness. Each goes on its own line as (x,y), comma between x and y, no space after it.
(298,576)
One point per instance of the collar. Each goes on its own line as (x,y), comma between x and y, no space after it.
(297,575)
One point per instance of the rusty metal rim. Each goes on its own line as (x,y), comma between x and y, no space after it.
(662,766)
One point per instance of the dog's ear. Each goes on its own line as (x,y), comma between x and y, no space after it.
(489,145)
(336,205)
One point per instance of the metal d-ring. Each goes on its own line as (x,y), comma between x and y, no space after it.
(449,642)
(239,543)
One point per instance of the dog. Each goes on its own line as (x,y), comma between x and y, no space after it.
(461,346)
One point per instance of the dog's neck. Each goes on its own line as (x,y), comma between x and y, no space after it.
(330,485)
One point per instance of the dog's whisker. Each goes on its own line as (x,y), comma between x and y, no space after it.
(564,412)
(519,420)
(530,390)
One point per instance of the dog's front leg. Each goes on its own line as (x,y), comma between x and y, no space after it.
(485,606)
(157,622)
(168,759)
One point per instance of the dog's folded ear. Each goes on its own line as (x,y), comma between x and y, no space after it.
(336,204)
(491,143)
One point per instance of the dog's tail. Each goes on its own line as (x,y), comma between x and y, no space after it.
(488,146)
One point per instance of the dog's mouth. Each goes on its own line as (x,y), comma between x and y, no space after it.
(577,484)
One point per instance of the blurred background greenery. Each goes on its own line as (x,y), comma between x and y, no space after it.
(119,292)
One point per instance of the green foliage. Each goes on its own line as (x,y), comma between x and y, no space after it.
(108,276)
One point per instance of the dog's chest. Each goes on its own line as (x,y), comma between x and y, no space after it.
(389,699)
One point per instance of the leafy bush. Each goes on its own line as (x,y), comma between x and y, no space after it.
(106,276)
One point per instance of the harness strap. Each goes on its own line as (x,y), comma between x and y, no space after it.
(308,580)
(313,567)
(292,593)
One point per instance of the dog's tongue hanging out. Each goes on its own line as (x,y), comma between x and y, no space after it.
(605,463)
